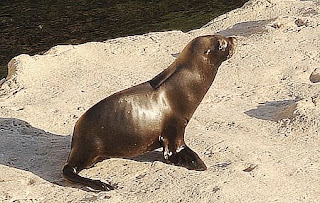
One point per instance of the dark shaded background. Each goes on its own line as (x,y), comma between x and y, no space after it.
(34,26)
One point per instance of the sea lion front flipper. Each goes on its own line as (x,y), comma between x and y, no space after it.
(188,159)
(175,150)
(163,76)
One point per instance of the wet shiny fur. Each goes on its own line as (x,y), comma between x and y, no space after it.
(150,115)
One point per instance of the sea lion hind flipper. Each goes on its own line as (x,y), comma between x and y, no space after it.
(162,77)
(70,174)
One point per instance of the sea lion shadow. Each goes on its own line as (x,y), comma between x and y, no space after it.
(31,149)
(152,156)
(44,154)
(271,110)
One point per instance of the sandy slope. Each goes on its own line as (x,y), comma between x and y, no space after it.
(257,129)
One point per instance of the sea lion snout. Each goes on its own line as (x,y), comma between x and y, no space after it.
(233,44)
(227,45)
(216,48)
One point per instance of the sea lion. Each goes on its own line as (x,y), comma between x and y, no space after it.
(150,115)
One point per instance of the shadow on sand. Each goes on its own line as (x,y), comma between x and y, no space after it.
(31,149)
(42,153)
(270,110)
(246,29)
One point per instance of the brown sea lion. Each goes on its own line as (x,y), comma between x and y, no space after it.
(150,115)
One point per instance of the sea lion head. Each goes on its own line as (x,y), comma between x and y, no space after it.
(211,49)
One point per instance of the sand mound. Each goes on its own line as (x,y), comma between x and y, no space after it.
(300,117)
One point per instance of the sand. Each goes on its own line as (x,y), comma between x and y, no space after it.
(257,128)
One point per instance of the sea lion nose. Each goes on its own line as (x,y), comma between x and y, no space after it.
(233,44)
(232,41)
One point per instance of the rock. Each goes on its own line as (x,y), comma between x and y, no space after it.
(287,112)
(315,76)
(299,22)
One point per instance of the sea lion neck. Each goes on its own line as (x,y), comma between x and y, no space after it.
(188,85)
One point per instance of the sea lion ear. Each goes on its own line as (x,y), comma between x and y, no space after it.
(223,44)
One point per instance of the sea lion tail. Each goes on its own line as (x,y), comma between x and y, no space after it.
(70,173)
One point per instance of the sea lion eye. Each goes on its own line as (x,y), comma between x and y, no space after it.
(208,51)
